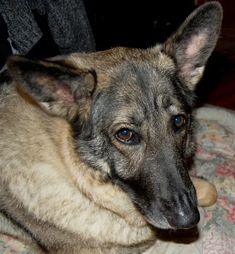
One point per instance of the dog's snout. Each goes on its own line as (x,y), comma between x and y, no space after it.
(185,218)
(183,212)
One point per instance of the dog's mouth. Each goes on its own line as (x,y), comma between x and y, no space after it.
(175,216)
(159,223)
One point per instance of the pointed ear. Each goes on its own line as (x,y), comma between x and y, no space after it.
(193,43)
(59,89)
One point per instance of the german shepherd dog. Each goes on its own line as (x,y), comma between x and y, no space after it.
(95,148)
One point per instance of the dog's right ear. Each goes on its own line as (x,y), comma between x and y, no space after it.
(61,90)
(192,44)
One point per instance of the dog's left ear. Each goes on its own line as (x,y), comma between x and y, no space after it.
(59,89)
(193,43)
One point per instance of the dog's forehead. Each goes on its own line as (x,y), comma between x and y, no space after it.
(139,74)
(142,83)
(132,77)
(138,91)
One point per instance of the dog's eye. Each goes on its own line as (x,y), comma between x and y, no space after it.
(179,121)
(125,135)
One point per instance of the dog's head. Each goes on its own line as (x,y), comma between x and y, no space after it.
(131,113)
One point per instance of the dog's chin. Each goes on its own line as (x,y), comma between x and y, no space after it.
(158,223)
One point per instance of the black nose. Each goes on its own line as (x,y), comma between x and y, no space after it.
(184,218)
(182,212)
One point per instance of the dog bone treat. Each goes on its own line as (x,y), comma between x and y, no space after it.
(206,192)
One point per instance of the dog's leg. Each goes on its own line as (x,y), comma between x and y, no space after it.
(206,192)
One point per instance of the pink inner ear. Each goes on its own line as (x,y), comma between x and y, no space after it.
(196,43)
(63,93)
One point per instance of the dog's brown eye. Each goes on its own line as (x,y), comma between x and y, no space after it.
(179,121)
(125,135)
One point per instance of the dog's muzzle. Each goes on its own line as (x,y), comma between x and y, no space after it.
(181,211)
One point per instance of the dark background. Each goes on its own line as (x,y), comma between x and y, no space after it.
(135,23)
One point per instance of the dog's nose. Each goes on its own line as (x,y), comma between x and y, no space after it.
(185,218)
(184,213)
